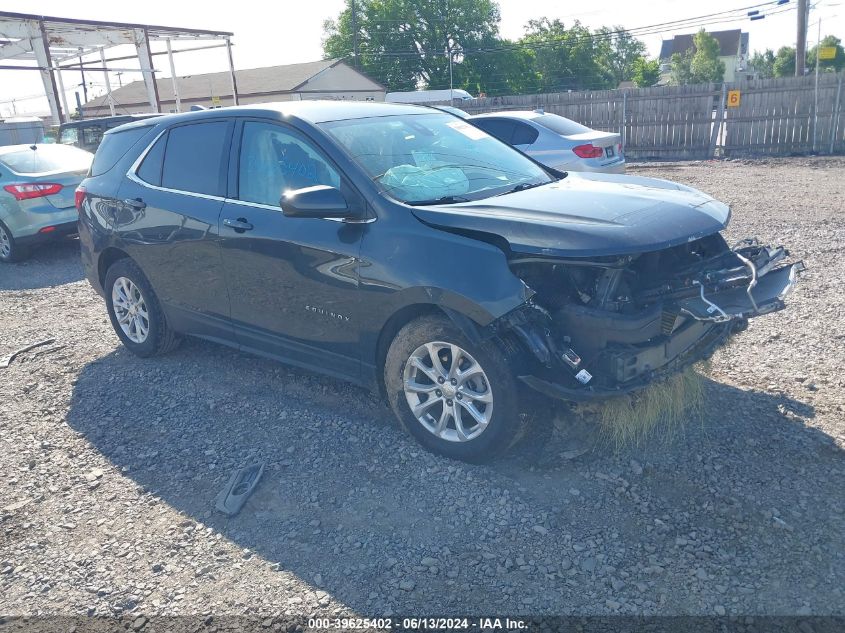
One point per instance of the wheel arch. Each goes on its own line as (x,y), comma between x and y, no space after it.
(408,313)
(105,261)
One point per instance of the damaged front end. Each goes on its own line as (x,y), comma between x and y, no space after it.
(610,325)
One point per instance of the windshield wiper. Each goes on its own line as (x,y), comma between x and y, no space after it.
(443,200)
(522,187)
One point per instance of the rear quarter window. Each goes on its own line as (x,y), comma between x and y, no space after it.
(114,147)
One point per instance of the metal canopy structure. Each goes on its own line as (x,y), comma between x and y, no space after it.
(56,44)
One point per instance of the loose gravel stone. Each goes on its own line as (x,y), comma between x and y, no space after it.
(111,466)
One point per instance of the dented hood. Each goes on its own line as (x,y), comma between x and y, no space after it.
(588,215)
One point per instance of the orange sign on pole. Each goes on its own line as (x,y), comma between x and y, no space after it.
(733,98)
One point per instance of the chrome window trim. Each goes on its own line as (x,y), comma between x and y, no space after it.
(133,176)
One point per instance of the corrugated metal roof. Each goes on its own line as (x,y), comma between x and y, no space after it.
(270,79)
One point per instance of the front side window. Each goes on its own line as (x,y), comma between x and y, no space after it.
(433,158)
(194,160)
(275,159)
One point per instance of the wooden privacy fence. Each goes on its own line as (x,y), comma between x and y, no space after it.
(774,117)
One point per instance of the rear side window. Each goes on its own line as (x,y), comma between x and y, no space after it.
(523,134)
(47,158)
(194,160)
(150,169)
(502,129)
(114,147)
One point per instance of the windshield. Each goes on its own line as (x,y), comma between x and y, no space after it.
(561,125)
(435,157)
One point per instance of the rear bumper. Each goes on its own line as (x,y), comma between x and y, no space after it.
(58,231)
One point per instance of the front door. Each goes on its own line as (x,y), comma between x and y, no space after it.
(293,282)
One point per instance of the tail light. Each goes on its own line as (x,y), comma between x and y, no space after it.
(588,151)
(33,190)
(79,197)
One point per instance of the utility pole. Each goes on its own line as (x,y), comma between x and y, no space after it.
(84,87)
(354,33)
(801,42)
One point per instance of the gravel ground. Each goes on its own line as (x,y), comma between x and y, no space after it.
(111,466)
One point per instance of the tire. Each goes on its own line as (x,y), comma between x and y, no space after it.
(10,250)
(413,346)
(124,278)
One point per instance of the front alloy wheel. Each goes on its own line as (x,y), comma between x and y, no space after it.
(442,388)
(448,391)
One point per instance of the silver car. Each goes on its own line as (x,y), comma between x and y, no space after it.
(555,141)
(37,195)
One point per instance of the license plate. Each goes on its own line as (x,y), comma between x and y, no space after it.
(609,152)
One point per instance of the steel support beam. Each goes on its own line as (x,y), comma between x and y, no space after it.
(232,72)
(41,47)
(142,46)
(173,76)
(57,73)
(109,98)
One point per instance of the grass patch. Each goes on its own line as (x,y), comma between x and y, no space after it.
(664,407)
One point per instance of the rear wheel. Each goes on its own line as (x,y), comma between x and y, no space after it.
(135,312)
(456,398)
(10,250)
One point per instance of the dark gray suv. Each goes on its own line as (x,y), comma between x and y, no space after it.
(409,252)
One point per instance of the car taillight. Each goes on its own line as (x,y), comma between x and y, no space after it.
(28,191)
(78,197)
(588,151)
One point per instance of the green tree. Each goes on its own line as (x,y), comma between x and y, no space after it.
(681,68)
(706,65)
(827,65)
(500,67)
(646,72)
(618,52)
(784,64)
(406,43)
(566,58)
(763,63)
(700,64)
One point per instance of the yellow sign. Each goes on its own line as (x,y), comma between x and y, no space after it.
(216,100)
(827,52)
(733,98)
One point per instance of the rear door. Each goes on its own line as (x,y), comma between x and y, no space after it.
(169,206)
(293,282)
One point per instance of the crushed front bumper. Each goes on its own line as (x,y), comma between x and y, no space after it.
(691,318)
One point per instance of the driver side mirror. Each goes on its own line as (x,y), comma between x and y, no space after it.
(319,201)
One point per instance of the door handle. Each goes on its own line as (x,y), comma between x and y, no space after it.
(240,225)
(135,203)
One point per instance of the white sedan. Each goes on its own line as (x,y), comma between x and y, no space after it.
(555,141)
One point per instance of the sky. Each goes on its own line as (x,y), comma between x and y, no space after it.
(287,32)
